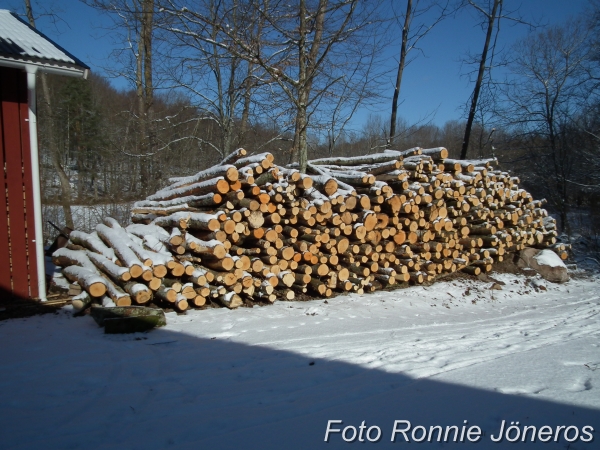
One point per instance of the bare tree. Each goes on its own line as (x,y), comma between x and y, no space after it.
(374,133)
(305,49)
(50,136)
(221,85)
(412,32)
(492,16)
(551,81)
(133,59)
(350,96)
(588,121)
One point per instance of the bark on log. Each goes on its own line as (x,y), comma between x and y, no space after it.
(88,280)
(121,249)
(92,243)
(138,292)
(217,185)
(230,300)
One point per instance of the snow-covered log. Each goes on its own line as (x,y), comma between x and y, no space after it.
(212,247)
(265,160)
(65,257)
(106,266)
(190,201)
(141,231)
(184,220)
(233,156)
(91,242)
(167,294)
(386,156)
(117,295)
(327,184)
(93,284)
(231,300)
(228,172)
(81,301)
(140,293)
(181,303)
(215,185)
(120,246)
(436,154)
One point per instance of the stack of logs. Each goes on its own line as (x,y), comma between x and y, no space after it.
(248,229)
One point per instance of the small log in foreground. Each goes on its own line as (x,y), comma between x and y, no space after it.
(130,319)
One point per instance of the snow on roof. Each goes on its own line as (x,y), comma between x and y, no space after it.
(21,44)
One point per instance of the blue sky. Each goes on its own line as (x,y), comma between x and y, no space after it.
(437,80)
(434,82)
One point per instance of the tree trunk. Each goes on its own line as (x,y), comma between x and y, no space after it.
(302,145)
(65,183)
(144,92)
(143,177)
(93,284)
(491,19)
(246,108)
(146,38)
(401,64)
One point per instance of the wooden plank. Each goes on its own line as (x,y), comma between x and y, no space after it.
(5,273)
(14,176)
(28,184)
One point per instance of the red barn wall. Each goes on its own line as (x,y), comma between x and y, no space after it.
(18,274)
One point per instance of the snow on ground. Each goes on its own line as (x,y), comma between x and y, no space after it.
(272,377)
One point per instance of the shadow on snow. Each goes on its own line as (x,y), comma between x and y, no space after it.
(74,387)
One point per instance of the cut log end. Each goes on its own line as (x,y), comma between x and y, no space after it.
(136,271)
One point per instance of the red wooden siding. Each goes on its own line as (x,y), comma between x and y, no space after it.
(18,272)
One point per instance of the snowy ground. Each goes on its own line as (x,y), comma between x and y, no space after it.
(272,377)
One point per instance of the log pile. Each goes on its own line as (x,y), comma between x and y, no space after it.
(248,229)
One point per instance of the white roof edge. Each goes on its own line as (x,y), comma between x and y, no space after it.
(22,45)
(56,68)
